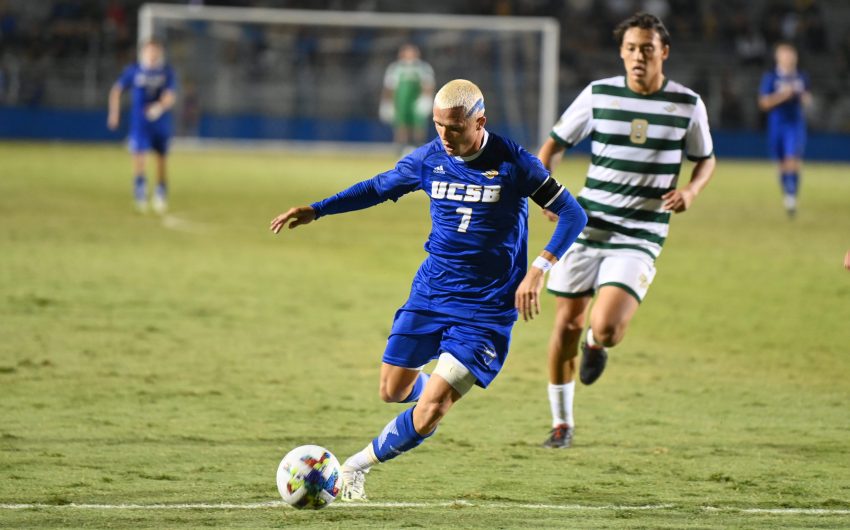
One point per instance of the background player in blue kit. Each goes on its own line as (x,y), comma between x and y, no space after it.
(467,293)
(153,91)
(783,94)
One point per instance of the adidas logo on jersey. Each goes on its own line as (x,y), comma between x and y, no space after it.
(671,108)
(456,191)
(439,170)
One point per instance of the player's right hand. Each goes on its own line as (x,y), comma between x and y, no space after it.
(112,122)
(527,297)
(552,216)
(300,215)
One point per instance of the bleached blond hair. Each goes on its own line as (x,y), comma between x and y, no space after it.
(461,93)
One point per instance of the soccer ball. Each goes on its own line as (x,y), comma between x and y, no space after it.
(309,477)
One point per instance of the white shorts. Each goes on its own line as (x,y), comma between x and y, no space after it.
(583,270)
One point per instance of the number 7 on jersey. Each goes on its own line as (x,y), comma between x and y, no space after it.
(466,217)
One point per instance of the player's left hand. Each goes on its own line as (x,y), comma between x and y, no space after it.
(527,298)
(301,215)
(153,112)
(677,200)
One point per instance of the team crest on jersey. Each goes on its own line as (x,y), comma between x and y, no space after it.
(149,80)
(456,191)
(493,173)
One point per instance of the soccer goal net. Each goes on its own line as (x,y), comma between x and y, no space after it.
(283,74)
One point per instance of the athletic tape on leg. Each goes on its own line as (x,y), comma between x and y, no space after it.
(455,374)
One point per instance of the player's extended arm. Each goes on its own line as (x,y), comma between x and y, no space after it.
(114,107)
(680,200)
(571,221)
(358,197)
(550,153)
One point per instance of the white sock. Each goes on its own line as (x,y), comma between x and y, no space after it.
(590,342)
(561,403)
(361,461)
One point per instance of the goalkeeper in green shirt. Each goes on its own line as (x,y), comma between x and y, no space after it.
(407,97)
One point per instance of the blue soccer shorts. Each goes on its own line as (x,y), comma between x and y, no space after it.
(148,138)
(787,142)
(419,336)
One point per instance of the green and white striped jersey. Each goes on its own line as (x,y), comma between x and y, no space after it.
(637,147)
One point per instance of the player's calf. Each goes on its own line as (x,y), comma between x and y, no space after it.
(140,192)
(401,385)
(160,199)
(428,414)
(567,327)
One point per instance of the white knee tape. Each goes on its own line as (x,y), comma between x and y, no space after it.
(454,373)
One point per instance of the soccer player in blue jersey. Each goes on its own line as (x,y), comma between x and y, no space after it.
(468,292)
(783,94)
(153,90)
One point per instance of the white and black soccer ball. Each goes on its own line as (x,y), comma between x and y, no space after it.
(309,477)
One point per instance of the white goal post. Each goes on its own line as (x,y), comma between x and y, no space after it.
(548,29)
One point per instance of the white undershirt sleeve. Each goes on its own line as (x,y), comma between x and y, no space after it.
(576,122)
(698,143)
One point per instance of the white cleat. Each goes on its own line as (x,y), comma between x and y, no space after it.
(790,202)
(353,486)
(160,206)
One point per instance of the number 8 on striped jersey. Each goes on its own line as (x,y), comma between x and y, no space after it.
(638,135)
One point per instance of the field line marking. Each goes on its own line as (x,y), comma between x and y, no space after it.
(780,511)
(274,504)
(181,224)
(491,505)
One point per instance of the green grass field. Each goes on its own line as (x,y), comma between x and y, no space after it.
(148,361)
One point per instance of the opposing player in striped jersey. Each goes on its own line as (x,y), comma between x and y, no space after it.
(641,126)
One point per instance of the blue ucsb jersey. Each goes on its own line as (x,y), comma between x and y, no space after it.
(146,86)
(789,113)
(477,249)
